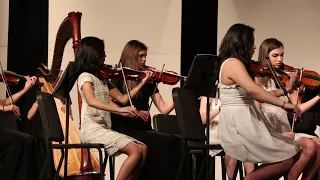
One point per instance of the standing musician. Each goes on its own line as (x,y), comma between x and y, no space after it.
(96,108)
(160,147)
(17,150)
(273,49)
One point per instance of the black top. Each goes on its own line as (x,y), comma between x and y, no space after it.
(310,119)
(140,102)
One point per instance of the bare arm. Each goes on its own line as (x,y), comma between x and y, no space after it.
(124,98)
(235,72)
(32,111)
(115,105)
(203,110)
(164,108)
(2,102)
(306,105)
(15,97)
(96,103)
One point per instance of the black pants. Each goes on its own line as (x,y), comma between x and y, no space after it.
(18,155)
(163,152)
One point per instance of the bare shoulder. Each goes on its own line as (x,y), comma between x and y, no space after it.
(234,63)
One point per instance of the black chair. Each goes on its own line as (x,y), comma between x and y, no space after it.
(165,124)
(52,127)
(193,132)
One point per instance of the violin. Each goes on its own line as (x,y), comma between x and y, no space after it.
(12,78)
(166,77)
(309,79)
(263,71)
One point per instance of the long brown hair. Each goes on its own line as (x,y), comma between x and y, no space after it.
(265,48)
(129,58)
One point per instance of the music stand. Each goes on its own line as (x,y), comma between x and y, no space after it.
(201,80)
(61,91)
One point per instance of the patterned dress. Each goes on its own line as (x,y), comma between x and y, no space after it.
(96,123)
(245,133)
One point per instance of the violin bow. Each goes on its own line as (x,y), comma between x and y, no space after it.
(285,92)
(154,90)
(281,86)
(274,73)
(295,116)
(126,85)
(7,88)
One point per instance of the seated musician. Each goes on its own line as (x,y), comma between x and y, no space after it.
(160,147)
(95,111)
(17,148)
(277,117)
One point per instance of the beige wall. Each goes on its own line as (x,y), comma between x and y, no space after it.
(295,23)
(156,23)
(4,20)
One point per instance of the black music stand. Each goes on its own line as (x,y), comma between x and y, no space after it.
(201,80)
(61,91)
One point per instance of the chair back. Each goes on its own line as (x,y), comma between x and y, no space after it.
(188,115)
(49,117)
(165,124)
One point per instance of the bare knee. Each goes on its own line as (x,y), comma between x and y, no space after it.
(230,160)
(288,163)
(143,149)
(132,150)
(309,147)
(317,141)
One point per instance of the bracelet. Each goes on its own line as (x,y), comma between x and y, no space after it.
(283,104)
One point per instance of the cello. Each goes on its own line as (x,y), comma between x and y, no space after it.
(82,163)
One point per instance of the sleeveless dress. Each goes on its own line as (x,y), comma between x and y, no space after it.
(96,123)
(213,127)
(245,133)
(277,116)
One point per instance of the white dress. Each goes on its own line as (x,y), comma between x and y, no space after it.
(244,131)
(96,123)
(277,116)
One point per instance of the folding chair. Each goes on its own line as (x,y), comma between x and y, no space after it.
(53,130)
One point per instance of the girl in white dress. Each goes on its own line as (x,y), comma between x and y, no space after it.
(95,111)
(277,117)
(245,133)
